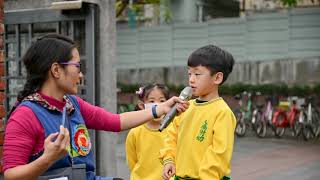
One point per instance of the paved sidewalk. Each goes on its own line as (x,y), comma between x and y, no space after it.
(275,159)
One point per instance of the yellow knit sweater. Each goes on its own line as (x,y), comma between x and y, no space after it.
(142,151)
(200,141)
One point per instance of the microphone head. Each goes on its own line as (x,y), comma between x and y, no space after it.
(186,93)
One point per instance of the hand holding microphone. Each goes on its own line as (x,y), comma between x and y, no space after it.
(185,95)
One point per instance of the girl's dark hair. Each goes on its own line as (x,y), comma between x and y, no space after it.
(42,53)
(144,91)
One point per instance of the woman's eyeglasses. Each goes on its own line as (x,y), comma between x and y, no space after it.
(77,64)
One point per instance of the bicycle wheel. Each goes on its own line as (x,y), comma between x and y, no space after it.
(241,125)
(307,132)
(306,127)
(253,119)
(316,123)
(279,129)
(270,124)
(297,127)
(261,125)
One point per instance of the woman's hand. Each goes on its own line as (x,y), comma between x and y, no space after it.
(56,149)
(165,107)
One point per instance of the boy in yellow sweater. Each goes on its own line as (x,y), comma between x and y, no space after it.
(199,142)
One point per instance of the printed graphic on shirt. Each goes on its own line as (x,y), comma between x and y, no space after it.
(203,130)
(81,144)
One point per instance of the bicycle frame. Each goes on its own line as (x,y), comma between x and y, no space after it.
(289,117)
(267,114)
(243,113)
(246,111)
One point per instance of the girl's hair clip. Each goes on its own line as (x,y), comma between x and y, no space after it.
(140,92)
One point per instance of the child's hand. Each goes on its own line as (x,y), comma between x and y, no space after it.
(169,170)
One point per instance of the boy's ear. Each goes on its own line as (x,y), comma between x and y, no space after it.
(218,78)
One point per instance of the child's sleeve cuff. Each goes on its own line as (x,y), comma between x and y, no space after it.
(167,161)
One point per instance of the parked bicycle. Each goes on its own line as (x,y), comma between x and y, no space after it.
(243,113)
(310,118)
(283,118)
(264,118)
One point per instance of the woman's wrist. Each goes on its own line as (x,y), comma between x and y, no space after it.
(40,165)
(45,161)
(160,110)
(154,111)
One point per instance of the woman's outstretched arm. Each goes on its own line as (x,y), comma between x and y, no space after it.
(135,118)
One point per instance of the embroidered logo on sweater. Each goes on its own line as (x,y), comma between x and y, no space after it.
(81,144)
(202,132)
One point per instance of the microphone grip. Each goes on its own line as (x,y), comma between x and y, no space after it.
(168,117)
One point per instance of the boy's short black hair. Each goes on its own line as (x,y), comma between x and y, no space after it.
(214,58)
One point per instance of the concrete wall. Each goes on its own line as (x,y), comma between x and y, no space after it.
(302,71)
(268,36)
(184,11)
(269,47)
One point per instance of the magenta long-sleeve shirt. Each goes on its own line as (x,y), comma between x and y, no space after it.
(24,135)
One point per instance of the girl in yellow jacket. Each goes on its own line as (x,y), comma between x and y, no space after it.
(144,142)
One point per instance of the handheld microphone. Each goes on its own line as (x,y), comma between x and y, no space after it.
(185,94)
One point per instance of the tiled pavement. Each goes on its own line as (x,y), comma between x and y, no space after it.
(275,159)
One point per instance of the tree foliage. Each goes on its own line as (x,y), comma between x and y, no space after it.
(289,3)
(121,5)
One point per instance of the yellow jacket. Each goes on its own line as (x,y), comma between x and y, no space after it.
(142,151)
(200,141)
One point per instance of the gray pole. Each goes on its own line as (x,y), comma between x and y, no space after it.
(106,65)
(110,160)
(106,161)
